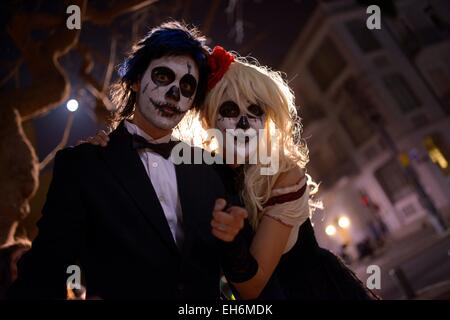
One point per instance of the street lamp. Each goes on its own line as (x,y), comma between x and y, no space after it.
(72,105)
(344,222)
(330,230)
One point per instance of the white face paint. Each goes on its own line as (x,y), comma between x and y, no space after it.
(167,90)
(240,126)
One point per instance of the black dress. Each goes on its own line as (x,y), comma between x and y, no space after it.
(306,271)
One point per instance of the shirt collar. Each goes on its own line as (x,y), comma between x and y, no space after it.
(134,129)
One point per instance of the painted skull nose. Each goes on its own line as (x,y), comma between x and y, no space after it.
(243,123)
(173,93)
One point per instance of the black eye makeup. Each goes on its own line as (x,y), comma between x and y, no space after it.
(229,109)
(255,111)
(188,84)
(162,76)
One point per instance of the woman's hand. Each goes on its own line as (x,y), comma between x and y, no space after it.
(101,139)
(227,224)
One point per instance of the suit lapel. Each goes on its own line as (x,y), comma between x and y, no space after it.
(126,164)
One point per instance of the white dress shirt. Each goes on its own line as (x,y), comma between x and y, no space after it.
(164,180)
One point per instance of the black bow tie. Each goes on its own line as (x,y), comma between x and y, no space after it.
(163,149)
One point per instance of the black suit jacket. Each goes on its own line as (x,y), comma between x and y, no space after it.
(103,214)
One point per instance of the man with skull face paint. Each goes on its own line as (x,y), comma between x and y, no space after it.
(138,225)
(169,86)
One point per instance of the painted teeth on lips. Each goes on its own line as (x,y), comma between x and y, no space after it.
(166,108)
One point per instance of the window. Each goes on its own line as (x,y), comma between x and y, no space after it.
(409,210)
(326,64)
(337,149)
(330,162)
(381,62)
(419,121)
(363,37)
(311,112)
(355,124)
(356,111)
(401,92)
(440,80)
(441,84)
(393,180)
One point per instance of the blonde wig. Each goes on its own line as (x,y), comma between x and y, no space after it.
(247,83)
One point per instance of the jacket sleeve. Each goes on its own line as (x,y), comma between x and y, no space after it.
(43,270)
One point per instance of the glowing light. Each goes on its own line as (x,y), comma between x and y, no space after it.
(344,222)
(330,230)
(436,154)
(438,158)
(72,105)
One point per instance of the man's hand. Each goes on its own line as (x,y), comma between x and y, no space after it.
(227,224)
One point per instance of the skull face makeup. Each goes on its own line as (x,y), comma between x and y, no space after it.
(240,126)
(167,90)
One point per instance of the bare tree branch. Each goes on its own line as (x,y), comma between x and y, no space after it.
(92,85)
(187,6)
(111,62)
(207,23)
(102,17)
(50,84)
(12,72)
(249,45)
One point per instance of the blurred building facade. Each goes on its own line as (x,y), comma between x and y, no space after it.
(369,98)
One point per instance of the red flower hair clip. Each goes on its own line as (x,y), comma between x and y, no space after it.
(218,61)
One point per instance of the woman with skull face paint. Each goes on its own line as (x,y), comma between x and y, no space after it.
(245,97)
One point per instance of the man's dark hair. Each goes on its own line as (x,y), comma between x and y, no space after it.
(169,39)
